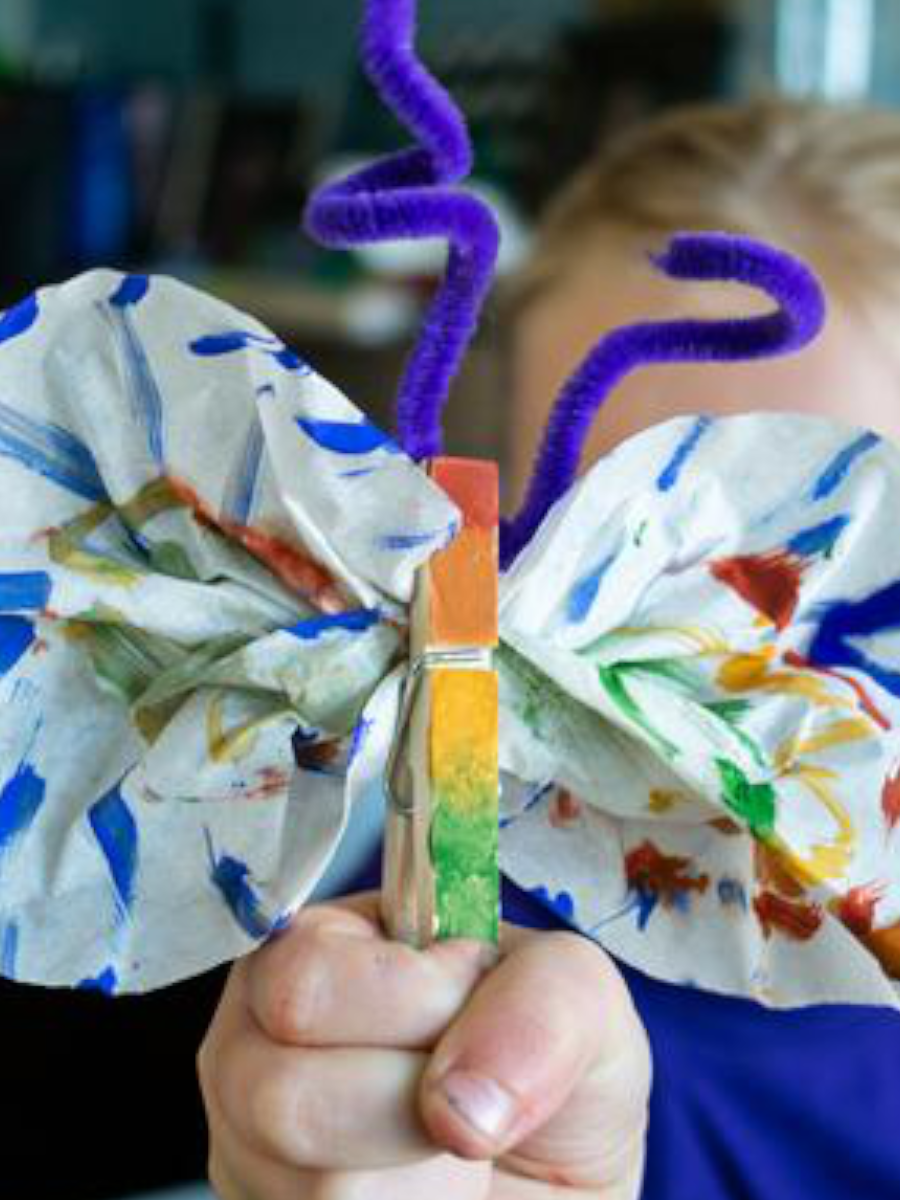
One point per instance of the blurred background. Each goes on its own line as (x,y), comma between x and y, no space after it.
(184,136)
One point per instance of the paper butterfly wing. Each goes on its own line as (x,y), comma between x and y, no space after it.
(205,554)
(702,650)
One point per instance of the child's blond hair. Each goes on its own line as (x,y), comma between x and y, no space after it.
(823,181)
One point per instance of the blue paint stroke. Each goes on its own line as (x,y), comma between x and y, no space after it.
(105,983)
(562,903)
(19,319)
(9,950)
(347,437)
(732,893)
(645,903)
(116,832)
(412,541)
(232,879)
(214,345)
(361,731)
(20,802)
(51,451)
(582,595)
(821,539)
(240,493)
(359,473)
(670,474)
(845,619)
(16,639)
(837,470)
(350,622)
(131,291)
(26,590)
(146,398)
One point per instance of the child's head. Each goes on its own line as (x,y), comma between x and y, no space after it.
(821,182)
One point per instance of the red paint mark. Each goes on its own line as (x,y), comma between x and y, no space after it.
(297,570)
(885,945)
(890,799)
(316,756)
(795,920)
(565,810)
(651,872)
(772,873)
(272,782)
(769,582)
(725,826)
(473,487)
(793,659)
(857,909)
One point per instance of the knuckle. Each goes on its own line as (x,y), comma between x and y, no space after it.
(286,1117)
(268,1112)
(288,995)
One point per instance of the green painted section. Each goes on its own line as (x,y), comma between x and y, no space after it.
(467,874)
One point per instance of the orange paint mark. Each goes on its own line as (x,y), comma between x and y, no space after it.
(857,909)
(768,582)
(316,756)
(651,872)
(462,596)
(726,826)
(885,945)
(890,799)
(565,809)
(272,782)
(771,872)
(292,566)
(793,659)
(798,921)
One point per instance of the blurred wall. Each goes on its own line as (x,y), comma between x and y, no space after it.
(279,46)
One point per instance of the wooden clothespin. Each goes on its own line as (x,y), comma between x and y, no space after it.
(441,875)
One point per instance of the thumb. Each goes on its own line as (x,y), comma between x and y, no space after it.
(547,1059)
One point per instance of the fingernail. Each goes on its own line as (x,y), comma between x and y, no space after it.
(480,1102)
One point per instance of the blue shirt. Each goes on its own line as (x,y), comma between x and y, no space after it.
(754,1104)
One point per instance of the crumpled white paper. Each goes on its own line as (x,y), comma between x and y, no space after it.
(704,640)
(206,554)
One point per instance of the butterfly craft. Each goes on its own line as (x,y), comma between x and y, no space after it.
(207,558)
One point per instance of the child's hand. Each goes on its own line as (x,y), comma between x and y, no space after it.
(342,1066)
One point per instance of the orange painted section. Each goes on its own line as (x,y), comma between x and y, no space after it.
(463,577)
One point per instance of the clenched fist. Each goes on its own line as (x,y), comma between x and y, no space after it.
(343,1066)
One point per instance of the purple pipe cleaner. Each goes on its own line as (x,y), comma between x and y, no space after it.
(704,256)
(404,196)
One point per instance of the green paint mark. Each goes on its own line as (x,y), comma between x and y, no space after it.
(754,802)
(613,680)
(168,558)
(730,713)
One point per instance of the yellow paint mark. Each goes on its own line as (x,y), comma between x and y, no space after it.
(839,733)
(825,861)
(752,673)
(66,547)
(233,745)
(706,640)
(662,801)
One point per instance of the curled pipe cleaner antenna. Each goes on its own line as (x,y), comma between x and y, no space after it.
(406,196)
(704,256)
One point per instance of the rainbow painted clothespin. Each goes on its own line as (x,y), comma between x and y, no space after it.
(441,874)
